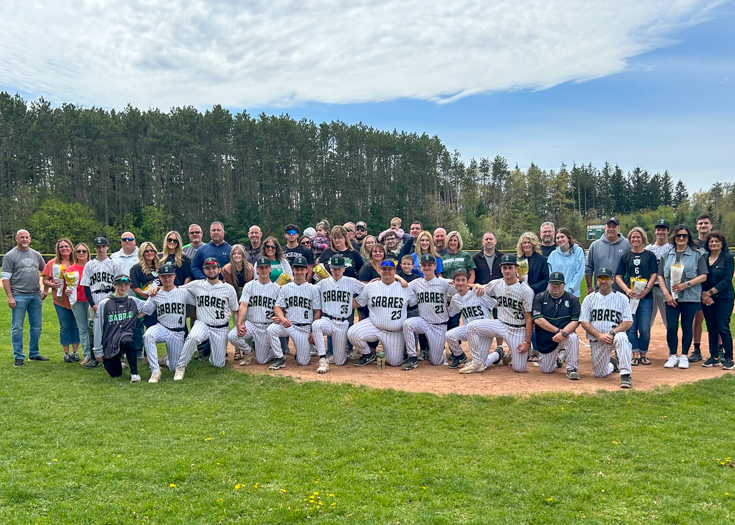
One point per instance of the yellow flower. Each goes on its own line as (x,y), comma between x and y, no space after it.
(55,460)
(331,495)
(172,485)
(208,439)
(256,485)
(284,491)
(237,487)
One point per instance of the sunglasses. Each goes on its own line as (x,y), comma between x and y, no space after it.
(149,251)
(305,243)
(270,247)
(175,241)
(292,232)
(604,278)
(127,239)
(195,233)
(682,235)
(360,228)
(349,230)
(81,251)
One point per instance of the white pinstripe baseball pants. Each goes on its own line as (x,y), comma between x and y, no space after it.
(480,336)
(338,330)
(199,333)
(454,338)
(365,331)
(174,346)
(256,335)
(435,334)
(547,362)
(300,337)
(601,355)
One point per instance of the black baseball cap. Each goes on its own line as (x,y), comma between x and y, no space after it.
(211,261)
(613,219)
(167,269)
(263,261)
(428,258)
(121,278)
(461,271)
(509,258)
(605,272)
(337,261)
(300,262)
(100,241)
(663,223)
(556,277)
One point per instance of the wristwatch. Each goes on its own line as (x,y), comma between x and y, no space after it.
(564,334)
(612,332)
(689,284)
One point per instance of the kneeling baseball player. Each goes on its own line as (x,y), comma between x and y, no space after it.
(556,316)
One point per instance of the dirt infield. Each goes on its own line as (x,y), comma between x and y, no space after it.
(501,380)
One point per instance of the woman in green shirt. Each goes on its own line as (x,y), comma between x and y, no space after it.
(457,259)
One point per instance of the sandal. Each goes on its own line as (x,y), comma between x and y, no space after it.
(238,355)
(634,361)
(645,360)
(533,359)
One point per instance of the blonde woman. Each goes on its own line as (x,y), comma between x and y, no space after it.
(81,307)
(68,331)
(425,244)
(340,245)
(529,248)
(457,259)
(367,245)
(143,276)
(173,253)
(238,271)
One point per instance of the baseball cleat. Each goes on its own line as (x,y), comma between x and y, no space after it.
(179,374)
(458,360)
(410,363)
(278,363)
(614,361)
(323,366)
(625,381)
(155,377)
(573,375)
(473,367)
(246,359)
(366,359)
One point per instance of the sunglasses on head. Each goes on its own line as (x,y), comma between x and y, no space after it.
(127,239)
(175,241)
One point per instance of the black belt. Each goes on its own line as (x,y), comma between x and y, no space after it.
(262,322)
(301,324)
(174,329)
(336,318)
(440,324)
(104,290)
(514,325)
(226,325)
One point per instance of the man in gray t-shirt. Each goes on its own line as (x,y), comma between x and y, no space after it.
(20,276)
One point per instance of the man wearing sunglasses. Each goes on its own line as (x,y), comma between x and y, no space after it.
(127,256)
(293,249)
(217,247)
(360,234)
(195,235)
(605,317)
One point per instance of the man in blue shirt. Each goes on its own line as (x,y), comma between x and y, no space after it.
(217,248)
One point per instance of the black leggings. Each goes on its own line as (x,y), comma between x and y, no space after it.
(718,325)
(687,312)
(113,365)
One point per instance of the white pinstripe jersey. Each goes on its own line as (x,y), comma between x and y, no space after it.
(100,277)
(472,307)
(433,297)
(513,301)
(213,301)
(387,304)
(337,295)
(171,307)
(299,301)
(260,298)
(605,312)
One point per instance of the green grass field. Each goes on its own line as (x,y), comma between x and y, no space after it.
(227,447)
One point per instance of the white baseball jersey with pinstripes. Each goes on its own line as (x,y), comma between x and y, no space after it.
(605,312)
(260,298)
(100,277)
(171,307)
(472,307)
(513,301)
(337,295)
(432,298)
(387,304)
(213,301)
(299,302)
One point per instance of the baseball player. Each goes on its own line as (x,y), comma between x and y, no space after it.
(298,305)
(337,294)
(605,317)
(214,300)
(387,301)
(433,295)
(514,322)
(471,307)
(556,316)
(115,321)
(170,308)
(99,274)
(257,304)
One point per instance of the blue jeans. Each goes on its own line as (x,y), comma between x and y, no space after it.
(68,331)
(639,334)
(81,315)
(33,305)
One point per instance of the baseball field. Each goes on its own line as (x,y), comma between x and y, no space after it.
(230,447)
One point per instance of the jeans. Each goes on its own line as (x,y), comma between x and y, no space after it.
(68,331)
(718,326)
(686,311)
(81,315)
(114,364)
(33,305)
(639,334)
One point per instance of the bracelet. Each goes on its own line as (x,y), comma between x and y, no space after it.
(528,342)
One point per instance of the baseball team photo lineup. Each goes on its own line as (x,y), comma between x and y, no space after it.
(340,295)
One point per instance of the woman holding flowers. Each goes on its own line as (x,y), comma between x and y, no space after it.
(53,277)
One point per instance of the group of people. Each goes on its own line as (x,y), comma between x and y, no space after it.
(416,293)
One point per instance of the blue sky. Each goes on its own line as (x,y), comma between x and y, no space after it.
(645,83)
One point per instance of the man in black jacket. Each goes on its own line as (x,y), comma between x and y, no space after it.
(487,268)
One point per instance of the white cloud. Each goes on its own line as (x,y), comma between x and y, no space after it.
(280,52)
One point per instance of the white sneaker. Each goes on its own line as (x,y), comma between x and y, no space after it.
(330,359)
(134,378)
(180,371)
(683,362)
(323,366)
(155,377)
(472,368)
(673,361)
